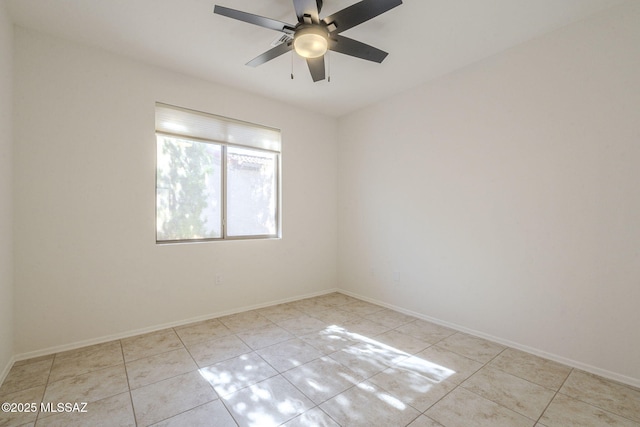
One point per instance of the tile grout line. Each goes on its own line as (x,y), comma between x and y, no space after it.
(229,411)
(187,350)
(554,397)
(126,373)
(44,392)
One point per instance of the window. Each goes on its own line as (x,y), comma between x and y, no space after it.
(216,178)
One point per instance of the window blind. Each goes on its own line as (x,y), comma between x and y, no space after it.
(196,124)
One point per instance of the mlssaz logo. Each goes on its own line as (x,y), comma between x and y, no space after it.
(79,407)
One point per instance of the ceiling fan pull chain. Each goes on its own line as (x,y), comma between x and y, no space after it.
(291,67)
(329,61)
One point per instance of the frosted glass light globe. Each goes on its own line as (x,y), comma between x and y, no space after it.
(310,42)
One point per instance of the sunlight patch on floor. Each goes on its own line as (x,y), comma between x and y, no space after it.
(260,405)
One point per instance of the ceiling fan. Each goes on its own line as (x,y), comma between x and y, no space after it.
(312,37)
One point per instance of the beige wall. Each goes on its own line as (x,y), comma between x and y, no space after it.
(504,198)
(87,265)
(6,199)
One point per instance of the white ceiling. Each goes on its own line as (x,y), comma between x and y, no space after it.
(425,39)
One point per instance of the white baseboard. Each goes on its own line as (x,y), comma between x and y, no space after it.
(132,333)
(6,369)
(634,382)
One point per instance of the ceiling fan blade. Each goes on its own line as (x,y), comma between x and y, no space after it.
(316,67)
(271,54)
(308,7)
(355,48)
(358,13)
(261,21)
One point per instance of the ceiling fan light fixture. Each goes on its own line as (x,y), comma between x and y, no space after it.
(311,42)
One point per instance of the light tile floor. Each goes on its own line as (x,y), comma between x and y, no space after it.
(332,360)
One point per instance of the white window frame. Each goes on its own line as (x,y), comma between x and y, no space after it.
(188,124)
